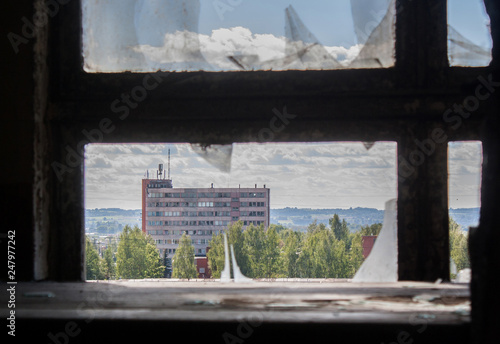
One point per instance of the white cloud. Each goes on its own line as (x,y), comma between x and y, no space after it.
(185,50)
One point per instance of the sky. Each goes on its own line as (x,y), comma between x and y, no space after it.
(136,30)
(302,175)
(331,21)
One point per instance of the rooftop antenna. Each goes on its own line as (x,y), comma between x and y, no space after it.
(168,164)
(160,171)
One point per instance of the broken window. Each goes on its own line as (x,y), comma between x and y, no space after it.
(469,36)
(344,178)
(192,35)
(464,165)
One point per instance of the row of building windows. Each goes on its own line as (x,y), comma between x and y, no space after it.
(252,213)
(190,223)
(226,213)
(206,195)
(252,195)
(180,232)
(203,205)
(190,204)
(252,204)
(192,195)
(200,223)
(176,241)
(200,213)
(199,251)
(159,186)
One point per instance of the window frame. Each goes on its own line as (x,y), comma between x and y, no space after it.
(398,104)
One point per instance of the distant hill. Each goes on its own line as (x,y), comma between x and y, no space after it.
(105,221)
(112,220)
(300,218)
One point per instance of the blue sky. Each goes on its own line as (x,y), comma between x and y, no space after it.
(313,175)
(327,19)
(330,21)
(137,30)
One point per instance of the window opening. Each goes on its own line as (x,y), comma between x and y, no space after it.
(317,206)
(464,165)
(469,36)
(191,35)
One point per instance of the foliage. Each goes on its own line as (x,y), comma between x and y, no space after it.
(215,255)
(356,257)
(137,256)
(184,265)
(290,252)
(94,270)
(458,246)
(374,229)
(108,264)
(339,228)
(280,252)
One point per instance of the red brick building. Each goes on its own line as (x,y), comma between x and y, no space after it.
(368,242)
(168,212)
(202,267)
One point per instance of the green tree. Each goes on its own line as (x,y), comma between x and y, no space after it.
(290,253)
(137,256)
(255,243)
(458,246)
(183,260)
(93,262)
(313,257)
(236,237)
(271,258)
(339,228)
(215,255)
(356,257)
(278,228)
(154,263)
(373,229)
(109,268)
(321,254)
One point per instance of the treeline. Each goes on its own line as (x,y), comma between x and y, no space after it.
(135,257)
(320,252)
(459,251)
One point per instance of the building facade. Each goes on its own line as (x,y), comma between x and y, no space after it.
(368,242)
(168,212)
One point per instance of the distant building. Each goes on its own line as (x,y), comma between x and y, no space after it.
(202,267)
(368,242)
(169,212)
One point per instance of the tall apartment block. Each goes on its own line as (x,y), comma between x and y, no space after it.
(168,212)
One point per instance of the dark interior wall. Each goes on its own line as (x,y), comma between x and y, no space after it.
(483,243)
(16,140)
